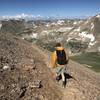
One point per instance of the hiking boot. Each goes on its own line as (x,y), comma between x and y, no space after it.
(63,84)
(58,78)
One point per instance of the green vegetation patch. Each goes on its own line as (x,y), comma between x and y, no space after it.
(90,58)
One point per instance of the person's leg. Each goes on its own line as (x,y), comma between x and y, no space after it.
(63,80)
(58,73)
(58,77)
(63,76)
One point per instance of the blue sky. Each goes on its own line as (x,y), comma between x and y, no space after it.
(50,7)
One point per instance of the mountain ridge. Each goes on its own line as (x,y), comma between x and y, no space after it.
(27,75)
(24,75)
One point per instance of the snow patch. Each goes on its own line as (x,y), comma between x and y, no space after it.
(92,25)
(35,26)
(47,25)
(33,35)
(85,34)
(69,38)
(92,43)
(64,29)
(75,23)
(0,26)
(98,16)
(77,30)
(60,22)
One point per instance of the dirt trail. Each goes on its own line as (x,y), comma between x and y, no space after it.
(85,84)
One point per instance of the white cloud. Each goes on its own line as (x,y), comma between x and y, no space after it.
(19,16)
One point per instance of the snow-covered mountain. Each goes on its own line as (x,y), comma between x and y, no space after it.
(77,34)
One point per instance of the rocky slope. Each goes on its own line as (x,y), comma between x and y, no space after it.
(23,72)
(86,84)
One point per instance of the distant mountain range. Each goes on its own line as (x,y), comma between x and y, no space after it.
(79,35)
(37,17)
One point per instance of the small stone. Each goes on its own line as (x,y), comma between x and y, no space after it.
(2,87)
(35,84)
(5,67)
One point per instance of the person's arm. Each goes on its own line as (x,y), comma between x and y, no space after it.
(53,60)
(67,55)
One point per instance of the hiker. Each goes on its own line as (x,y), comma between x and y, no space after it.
(59,61)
